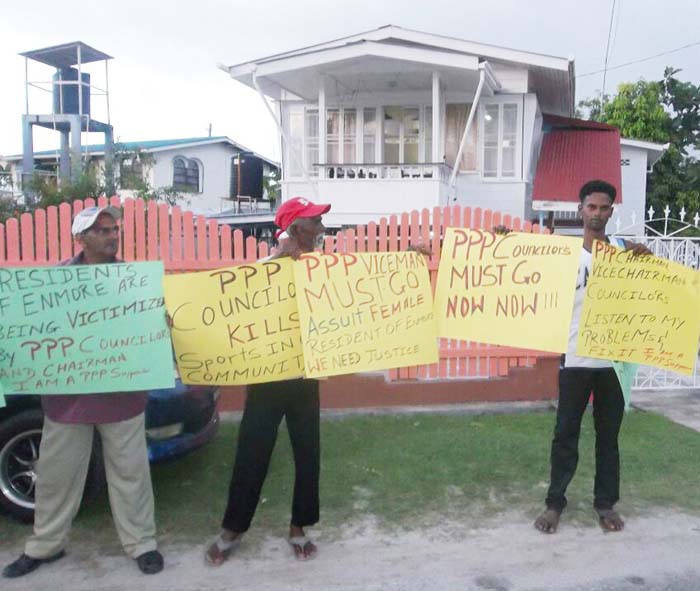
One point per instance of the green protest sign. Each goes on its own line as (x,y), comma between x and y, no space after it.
(84,329)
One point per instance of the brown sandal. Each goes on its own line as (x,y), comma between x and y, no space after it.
(304,548)
(610,520)
(548,521)
(220,550)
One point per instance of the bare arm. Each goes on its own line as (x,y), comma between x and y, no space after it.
(287,248)
(424,248)
(420,247)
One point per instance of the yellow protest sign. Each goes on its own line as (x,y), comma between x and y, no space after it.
(511,289)
(641,310)
(364,312)
(238,325)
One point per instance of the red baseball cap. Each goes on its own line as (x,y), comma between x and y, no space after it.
(297,207)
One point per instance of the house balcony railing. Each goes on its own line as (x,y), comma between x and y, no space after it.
(566,215)
(244,205)
(387,171)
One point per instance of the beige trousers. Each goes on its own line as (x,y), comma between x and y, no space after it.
(62,467)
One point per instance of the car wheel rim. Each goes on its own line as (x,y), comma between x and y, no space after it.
(18,460)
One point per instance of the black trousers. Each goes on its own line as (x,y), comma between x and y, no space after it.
(575,387)
(266,404)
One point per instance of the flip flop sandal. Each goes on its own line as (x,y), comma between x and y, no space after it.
(605,517)
(298,543)
(224,549)
(550,517)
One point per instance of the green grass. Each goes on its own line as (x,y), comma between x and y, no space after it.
(408,469)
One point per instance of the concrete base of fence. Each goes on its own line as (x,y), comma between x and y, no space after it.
(372,390)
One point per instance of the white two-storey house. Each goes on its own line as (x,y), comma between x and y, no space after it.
(392,120)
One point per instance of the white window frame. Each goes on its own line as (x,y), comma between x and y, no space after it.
(517,101)
(288,164)
(305,157)
(341,139)
(339,111)
(361,156)
(359,117)
(421,133)
(200,172)
(378,157)
(304,108)
(424,157)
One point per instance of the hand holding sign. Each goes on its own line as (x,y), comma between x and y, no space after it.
(641,310)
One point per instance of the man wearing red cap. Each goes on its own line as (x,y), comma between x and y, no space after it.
(266,404)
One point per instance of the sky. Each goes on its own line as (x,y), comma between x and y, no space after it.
(164,81)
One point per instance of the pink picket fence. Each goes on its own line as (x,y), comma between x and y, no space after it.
(184,242)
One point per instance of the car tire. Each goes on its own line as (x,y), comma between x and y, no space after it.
(20,436)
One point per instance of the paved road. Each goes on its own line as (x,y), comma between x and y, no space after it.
(689,581)
(654,553)
(681,406)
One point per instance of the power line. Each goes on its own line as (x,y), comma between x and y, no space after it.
(644,59)
(617,25)
(607,48)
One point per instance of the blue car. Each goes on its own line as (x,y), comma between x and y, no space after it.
(178,420)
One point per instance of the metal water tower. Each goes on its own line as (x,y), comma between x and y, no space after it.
(72,90)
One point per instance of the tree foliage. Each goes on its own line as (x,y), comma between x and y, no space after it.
(9,204)
(48,191)
(271,185)
(635,110)
(132,165)
(169,195)
(664,111)
(134,168)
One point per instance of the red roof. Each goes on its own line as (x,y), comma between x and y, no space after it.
(573,155)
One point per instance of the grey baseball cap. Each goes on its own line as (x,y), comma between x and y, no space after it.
(86,218)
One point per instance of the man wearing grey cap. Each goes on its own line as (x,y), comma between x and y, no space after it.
(66,444)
